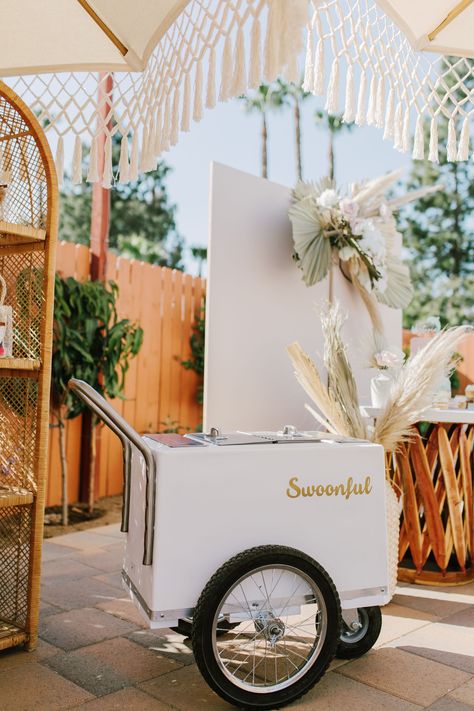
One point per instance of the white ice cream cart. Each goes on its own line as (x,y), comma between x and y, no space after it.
(269,547)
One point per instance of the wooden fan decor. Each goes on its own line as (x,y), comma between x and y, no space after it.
(437,527)
(28,233)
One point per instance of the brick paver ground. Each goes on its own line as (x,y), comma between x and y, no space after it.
(95,652)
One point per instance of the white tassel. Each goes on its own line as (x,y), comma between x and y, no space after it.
(108,173)
(379,110)
(240,70)
(166,129)
(333,89)
(124,166)
(211,81)
(398,128)
(185,112)
(318,86)
(361,100)
(157,136)
(419,142)
(144,158)
(434,148)
(77,162)
(197,106)
(406,138)
(463,148)
(372,102)
(273,39)
(451,144)
(174,133)
(389,130)
(93,170)
(133,173)
(255,70)
(226,78)
(60,161)
(308,80)
(350,110)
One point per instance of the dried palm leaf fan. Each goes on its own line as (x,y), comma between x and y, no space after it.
(28,230)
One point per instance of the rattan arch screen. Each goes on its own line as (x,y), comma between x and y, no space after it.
(28,232)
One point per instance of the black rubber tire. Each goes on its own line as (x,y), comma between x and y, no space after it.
(210,600)
(373,623)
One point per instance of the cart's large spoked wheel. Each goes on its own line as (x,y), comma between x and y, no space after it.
(286,612)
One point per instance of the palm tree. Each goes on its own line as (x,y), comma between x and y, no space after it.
(295,94)
(263,100)
(334,124)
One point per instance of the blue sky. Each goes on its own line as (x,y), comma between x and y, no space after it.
(229,135)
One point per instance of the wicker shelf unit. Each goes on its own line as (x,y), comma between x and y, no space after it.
(28,233)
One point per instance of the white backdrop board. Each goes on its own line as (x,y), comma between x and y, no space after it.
(257,304)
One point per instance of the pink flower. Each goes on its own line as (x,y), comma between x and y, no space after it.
(349,208)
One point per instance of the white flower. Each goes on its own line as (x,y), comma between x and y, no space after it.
(328,198)
(349,208)
(345,253)
(389,358)
(373,241)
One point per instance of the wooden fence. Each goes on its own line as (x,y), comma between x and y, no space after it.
(159,392)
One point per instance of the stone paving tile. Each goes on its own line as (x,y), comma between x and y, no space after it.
(449,704)
(126,699)
(82,592)
(40,689)
(336,692)
(398,621)
(165,642)
(113,529)
(79,628)
(18,656)
(465,693)
(61,569)
(440,608)
(409,676)
(442,642)
(463,618)
(83,540)
(53,551)
(106,560)
(125,609)
(113,579)
(46,609)
(111,665)
(185,690)
(463,594)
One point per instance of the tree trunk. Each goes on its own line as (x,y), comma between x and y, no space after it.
(64,476)
(264,146)
(331,155)
(297,120)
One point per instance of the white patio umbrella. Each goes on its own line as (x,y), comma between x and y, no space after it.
(62,35)
(444,26)
(363,56)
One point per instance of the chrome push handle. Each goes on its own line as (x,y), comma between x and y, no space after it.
(127,436)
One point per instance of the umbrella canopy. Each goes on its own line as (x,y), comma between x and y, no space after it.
(444,26)
(61,35)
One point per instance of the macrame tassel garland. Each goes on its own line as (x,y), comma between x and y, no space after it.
(166,129)
(211,81)
(157,135)
(380,103)
(419,141)
(398,128)
(134,160)
(226,78)
(406,137)
(197,106)
(93,171)
(349,110)
(174,125)
(124,166)
(333,89)
(389,130)
(60,161)
(185,112)
(318,86)
(361,100)
(107,176)
(433,154)
(451,144)
(308,80)
(77,162)
(239,83)
(275,31)
(372,102)
(463,148)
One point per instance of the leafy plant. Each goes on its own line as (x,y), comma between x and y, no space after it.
(91,343)
(197,343)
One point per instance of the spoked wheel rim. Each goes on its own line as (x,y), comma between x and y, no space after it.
(352,636)
(282,630)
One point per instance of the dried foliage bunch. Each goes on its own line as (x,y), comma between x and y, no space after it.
(356,230)
(338,406)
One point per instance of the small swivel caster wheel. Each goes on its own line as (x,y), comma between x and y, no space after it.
(356,641)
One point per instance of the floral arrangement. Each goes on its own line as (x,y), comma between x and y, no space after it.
(358,231)
(414,383)
(387,359)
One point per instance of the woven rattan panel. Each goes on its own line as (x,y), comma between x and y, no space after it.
(24,277)
(15,536)
(18,423)
(26,199)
